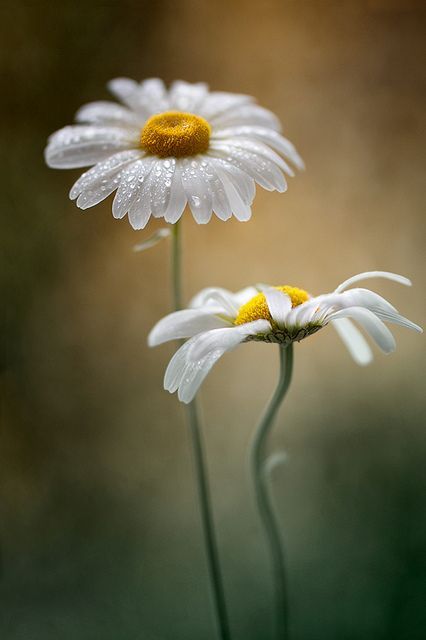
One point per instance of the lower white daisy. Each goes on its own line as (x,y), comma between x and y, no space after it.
(165,148)
(218,320)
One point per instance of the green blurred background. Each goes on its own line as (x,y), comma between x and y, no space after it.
(99,529)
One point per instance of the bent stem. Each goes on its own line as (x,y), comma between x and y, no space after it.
(200,465)
(263,498)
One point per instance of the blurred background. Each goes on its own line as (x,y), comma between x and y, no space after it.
(99,527)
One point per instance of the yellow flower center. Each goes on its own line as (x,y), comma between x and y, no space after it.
(257,308)
(175,134)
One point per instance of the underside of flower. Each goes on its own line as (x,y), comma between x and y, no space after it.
(287,335)
(257,308)
(176,134)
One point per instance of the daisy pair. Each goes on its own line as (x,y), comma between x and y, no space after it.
(161,149)
(218,321)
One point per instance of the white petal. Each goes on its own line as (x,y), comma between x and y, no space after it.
(184,324)
(194,374)
(240,209)
(153,95)
(363,298)
(266,135)
(80,146)
(264,171)
(123,89)
(218,103)
(201,354)
(226,339)
(177,197)
(397,318)
(260,149)
(108,113)
(220,202)
(279,304)
(247,114)
(140,205)
(184,96)
(354,340)
(152,240)
(303,314)
(95,185)
(224,299)
(373,274)
(372,324)
(161,182)
(245,295)
(146,98)
(197,189)
(215,296)
(243,183)
(176,367)
(131,187)
(186,374)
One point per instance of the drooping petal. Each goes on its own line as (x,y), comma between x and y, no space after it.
(176,367)
(206,348)
(195,373)
(354,341)
(372,324)
(240,209)
(140,206)
(244,184)
(197,189)
(80,145)
(227,338)
(131,187)
(373,274)
(177,197)
(279,304)
(161,181)
(100,181)
(220,202)
(184,324)
(397,318)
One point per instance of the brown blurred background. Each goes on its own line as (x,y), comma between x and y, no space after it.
(99,529)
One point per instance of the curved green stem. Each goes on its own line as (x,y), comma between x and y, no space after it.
(263,499)
(200,467)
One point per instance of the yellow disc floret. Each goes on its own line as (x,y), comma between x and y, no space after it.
(257,308)
(175,134)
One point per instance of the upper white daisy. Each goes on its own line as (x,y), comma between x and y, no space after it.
(218,320)
(166,148)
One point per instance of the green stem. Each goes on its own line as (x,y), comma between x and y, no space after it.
(176,267)
(263,499)
(200,467)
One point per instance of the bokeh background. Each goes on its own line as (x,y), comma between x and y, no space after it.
(99,527)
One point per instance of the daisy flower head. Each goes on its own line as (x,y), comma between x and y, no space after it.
(161,149)
(218,321)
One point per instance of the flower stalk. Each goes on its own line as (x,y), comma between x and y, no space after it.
(200,464)
(258,461)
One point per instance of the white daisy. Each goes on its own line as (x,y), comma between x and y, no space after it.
(166,148)
(218,320)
